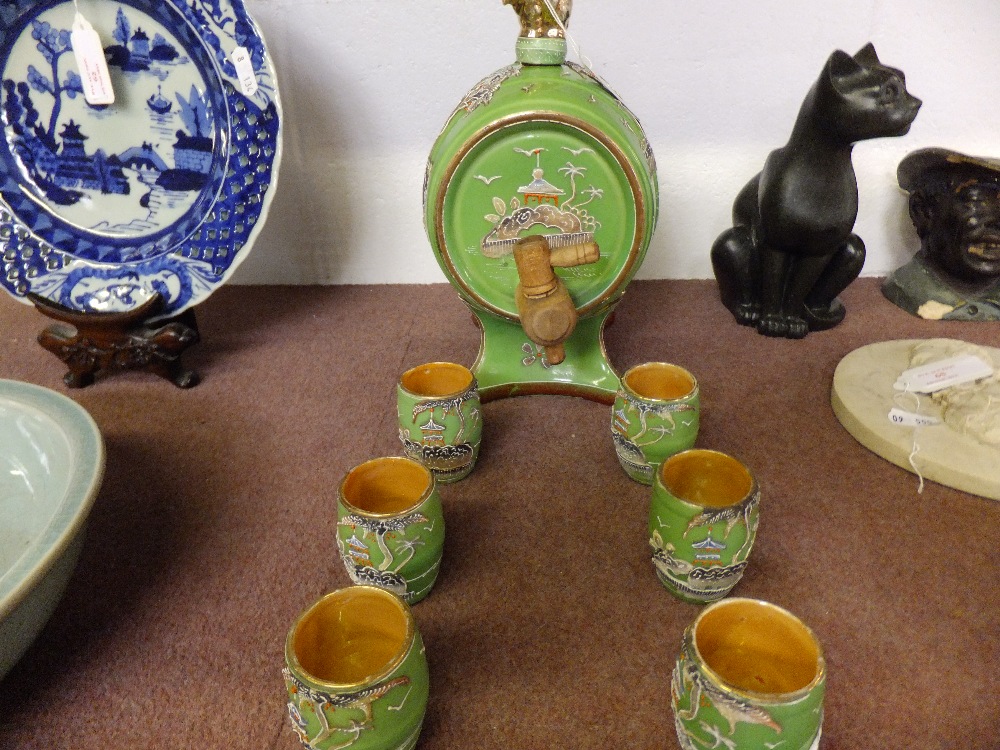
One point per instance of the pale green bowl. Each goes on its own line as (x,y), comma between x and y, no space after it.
(51,466)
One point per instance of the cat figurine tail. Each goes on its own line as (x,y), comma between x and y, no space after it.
(791,249)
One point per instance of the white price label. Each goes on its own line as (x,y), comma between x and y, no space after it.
(244,70)
(89,53)
(905,418)
(944,373)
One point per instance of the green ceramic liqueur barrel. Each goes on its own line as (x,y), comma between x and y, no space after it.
(541,147)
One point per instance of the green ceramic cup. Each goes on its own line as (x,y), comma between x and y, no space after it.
(702,523)
(440,422)
(356,672)
(656,414)
(750,676)
(390,526)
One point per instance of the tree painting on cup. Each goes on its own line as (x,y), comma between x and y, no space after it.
(355,552)
(318,702)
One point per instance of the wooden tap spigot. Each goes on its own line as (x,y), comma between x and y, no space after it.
(547,313)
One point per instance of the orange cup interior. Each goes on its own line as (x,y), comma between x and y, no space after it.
(707,478)
(386,485)
(758,647)
(436,379)
(660,381)
(351,636)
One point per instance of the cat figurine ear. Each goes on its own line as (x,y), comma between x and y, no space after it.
(842,65)
(867,56)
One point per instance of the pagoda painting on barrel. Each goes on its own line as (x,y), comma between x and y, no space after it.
(563,216)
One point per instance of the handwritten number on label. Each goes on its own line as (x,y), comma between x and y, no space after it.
(905,418)
(244,70)
(89,53)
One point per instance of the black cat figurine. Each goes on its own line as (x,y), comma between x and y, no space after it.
(791,250)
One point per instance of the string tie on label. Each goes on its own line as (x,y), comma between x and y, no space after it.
(569,37)
(915,448)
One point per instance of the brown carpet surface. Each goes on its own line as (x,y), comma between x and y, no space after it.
(547,627)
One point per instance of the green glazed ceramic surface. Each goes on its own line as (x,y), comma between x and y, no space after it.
(398,549)
(540,149)
(441,427)
(711,711)
(514,365)
(382,711)
(699,549)
(646,430)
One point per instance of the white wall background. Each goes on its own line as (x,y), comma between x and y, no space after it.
(367,85)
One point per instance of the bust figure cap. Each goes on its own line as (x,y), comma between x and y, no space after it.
(915,166)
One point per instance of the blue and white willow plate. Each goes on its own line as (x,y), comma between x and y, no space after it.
(162,191)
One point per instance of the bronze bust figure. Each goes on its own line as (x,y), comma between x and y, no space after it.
(955,208)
